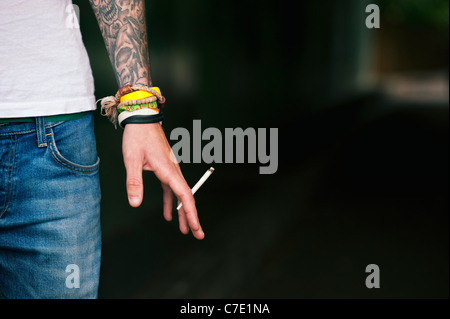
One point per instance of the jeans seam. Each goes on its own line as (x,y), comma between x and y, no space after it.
(18,132)
(88,169)
(31,130)
(9,178)
(54,124)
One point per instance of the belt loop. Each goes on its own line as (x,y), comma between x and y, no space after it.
(40,132)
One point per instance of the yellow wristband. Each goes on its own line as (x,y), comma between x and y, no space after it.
(137,95)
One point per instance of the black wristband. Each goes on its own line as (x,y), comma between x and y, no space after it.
(142,119)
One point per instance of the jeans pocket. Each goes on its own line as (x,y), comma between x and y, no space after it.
(72,145)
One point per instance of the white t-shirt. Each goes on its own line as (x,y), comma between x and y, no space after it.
(44,66)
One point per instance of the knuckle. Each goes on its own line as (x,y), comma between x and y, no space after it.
(129,157)
(134,182)
(187,196)
(186,191)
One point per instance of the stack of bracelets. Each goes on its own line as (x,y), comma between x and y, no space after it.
(134,104)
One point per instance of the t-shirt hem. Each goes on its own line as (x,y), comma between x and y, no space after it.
(47,108)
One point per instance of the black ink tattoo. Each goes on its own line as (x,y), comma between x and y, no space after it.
(123,26)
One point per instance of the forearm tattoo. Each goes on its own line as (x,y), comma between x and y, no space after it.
(123,26)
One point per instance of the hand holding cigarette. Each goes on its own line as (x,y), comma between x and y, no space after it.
(145,148)
(199,183)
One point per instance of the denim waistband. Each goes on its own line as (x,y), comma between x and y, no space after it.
(38,124)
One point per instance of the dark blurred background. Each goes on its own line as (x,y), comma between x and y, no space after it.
(363,152)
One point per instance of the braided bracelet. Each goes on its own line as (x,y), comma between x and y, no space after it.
(131,98)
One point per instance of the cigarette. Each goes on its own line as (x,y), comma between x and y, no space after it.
(199,183)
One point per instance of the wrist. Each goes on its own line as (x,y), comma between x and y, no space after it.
(131,100)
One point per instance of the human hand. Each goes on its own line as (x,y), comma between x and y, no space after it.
(145,147)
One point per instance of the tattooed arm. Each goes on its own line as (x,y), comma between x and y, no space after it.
(124,30)
(144,146)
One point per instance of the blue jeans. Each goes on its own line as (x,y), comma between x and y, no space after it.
(50,239)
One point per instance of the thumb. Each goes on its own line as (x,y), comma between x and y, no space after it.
(135,187)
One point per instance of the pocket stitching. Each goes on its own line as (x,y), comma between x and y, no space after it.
(60,159)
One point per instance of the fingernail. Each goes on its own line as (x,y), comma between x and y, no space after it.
(134,201)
